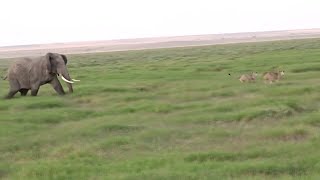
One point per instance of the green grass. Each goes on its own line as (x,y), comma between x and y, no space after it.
(171,114)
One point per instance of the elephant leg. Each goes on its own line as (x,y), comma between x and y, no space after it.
(35,89)
(57,86)
(34,92)
(11,94)
(14,88)
(23,92)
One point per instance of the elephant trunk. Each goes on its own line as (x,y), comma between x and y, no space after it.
(66,77)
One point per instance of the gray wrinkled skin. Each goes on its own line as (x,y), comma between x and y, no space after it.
(30,73)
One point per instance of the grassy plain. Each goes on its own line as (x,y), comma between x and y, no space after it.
(171,114)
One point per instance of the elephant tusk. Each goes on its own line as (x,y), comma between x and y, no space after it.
(75,80)
(66,79)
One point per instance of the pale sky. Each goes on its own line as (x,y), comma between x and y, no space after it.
(49,21)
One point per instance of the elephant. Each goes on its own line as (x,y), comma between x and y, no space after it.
(29,73)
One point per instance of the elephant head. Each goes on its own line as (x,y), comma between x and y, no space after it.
(56,65)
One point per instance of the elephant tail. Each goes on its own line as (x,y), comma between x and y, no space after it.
(5,77)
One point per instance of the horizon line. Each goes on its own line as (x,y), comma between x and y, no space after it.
(152,37)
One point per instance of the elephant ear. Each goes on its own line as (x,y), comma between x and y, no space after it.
(64,57)
(49,57)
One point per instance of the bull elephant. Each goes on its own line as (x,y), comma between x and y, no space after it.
(30,73)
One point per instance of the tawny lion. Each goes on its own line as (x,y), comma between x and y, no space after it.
(248,77)
(272,76)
